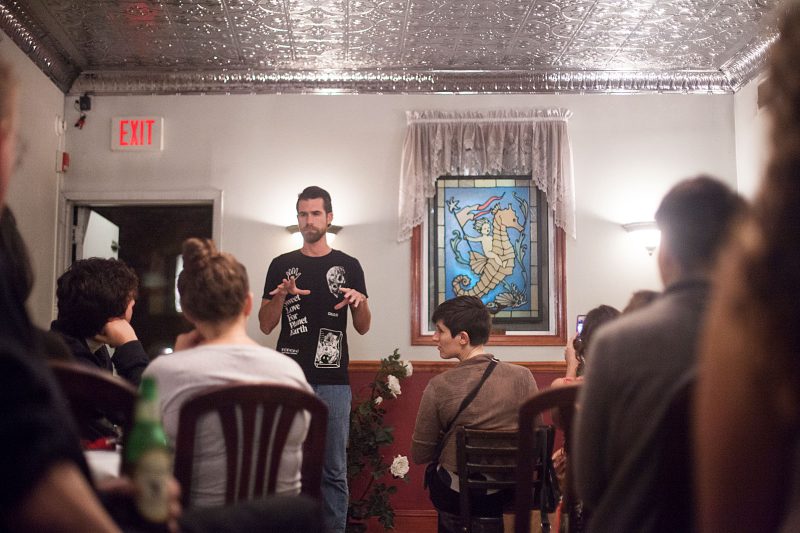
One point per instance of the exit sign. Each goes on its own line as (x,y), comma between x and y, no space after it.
(137,134)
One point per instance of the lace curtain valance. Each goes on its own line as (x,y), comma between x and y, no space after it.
(515,142)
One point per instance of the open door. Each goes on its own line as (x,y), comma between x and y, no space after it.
(101,237)
(148,238)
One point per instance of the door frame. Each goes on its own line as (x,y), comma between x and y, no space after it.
(70,199)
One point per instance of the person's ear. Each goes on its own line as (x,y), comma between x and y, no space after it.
(463,338)
(329,218)
(189,317)
(248,304)
(668,266)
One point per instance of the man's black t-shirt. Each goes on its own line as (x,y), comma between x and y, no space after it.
(313,333)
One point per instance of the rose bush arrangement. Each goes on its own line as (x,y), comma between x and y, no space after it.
(368,434)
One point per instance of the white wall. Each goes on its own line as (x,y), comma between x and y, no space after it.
(33,192)
(263,149)
(752,140)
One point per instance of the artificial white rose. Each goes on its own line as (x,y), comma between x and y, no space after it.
(394,385)
(408,367)
(399,466)
(378,400)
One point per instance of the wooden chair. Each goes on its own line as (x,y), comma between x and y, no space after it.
(563,399)
(487,460)
(242,408)
(93,393)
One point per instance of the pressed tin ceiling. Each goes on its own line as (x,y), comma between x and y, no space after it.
(400,46)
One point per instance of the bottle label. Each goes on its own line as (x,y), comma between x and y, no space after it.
(151,477)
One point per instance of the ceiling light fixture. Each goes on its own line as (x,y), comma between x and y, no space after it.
(646,234)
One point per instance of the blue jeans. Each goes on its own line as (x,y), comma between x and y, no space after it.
(335,494)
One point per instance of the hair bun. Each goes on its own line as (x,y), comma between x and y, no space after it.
(197,253)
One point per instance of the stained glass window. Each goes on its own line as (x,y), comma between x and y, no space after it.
(488,237)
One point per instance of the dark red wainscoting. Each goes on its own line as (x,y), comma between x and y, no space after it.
(413,510)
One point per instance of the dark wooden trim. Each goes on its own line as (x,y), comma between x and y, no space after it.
(437,367)
(559,307)
(416,289)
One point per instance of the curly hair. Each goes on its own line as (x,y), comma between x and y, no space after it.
(213,285)
(479,223)
(91,292)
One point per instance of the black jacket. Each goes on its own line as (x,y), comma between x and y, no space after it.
(129,359)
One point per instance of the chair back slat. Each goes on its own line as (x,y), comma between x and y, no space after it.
(283,423)
(255,421)
(262,467)
(529,466)
(482,468)
(246,450)
(230,432)
(486,461)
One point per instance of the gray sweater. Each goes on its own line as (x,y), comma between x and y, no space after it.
(633,368)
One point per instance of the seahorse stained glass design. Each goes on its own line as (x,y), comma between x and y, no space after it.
(484,244)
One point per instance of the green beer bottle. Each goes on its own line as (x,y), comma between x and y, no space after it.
(147,458)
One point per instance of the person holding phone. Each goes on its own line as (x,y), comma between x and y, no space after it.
(575,350)
(575,357)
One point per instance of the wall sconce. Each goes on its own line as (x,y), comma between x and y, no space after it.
(646,234)
(297,238)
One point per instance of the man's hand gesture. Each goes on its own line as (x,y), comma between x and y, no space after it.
(288,286)
(351,297)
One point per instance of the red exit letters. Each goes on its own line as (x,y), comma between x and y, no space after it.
(137,133)
(133,132)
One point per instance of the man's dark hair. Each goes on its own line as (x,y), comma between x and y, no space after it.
(467,314)
(91,292)
(695,218)
(310,193)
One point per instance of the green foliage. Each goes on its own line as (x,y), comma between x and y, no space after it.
(368,435)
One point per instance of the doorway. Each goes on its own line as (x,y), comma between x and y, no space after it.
(148,238)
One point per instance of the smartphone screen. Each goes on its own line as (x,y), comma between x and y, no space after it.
(579,324)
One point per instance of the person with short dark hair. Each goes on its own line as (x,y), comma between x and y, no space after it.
(463,325)
(315,193)
(95,304)
(636,365)
(309,291)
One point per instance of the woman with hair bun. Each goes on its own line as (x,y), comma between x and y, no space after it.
(215,297)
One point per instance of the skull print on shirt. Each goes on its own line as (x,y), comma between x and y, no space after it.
(336,280)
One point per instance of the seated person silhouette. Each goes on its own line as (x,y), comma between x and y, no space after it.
(95,304)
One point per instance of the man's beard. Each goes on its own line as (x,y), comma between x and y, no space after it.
(312,236)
